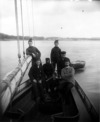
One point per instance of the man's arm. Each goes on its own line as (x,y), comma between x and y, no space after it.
(60,51)
(65,74)
(42,73)
(28,52)
(51,55)
(39,53)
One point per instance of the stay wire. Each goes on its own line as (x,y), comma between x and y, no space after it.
(17,31)
(33,21)
(28,16)
(22,28)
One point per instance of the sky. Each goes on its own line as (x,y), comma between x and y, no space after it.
(58,18)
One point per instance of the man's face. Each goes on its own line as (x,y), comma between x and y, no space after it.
(67,63)
(38,62)
(63,55)
(47,61)
(30,43)
(56,44)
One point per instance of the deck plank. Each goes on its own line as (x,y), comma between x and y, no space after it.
(24,104)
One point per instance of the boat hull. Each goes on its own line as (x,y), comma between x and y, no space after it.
(41,111)
(23,108)
(78,64)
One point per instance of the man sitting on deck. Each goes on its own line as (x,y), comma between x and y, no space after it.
(36,76)
(49,73)
(68,81)
(48,68)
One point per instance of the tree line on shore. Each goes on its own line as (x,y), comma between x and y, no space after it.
(6,37)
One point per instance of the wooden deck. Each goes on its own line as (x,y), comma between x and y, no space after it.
(24,109)
(28,109)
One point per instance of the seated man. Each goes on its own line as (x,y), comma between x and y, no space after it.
(61,62)
(49,71)
(68,81)
(36,76)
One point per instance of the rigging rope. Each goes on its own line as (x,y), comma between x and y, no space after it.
(17,30)
(33,20)
(28,16)
(22,27)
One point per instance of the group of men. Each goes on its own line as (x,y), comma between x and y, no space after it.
(39,74)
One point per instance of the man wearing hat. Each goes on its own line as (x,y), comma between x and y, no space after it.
(48,71)
(36,76)
(55,54)
(48,68)
(68,81)
(61,63)
(33,51)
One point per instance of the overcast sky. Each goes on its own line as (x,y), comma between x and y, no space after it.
(52,18)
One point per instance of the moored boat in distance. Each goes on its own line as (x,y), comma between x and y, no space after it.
(78,64)
(16,103)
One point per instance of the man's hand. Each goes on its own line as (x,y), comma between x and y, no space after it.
(40,81)
(34,81)
(33,55)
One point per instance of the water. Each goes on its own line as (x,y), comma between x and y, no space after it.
(89,79)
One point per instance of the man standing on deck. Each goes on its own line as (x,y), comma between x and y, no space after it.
(55,54)
(33,51)
(61,62)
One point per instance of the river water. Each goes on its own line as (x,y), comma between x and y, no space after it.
(89,79)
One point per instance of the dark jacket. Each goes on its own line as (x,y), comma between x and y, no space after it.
(55,54)
(34,50)
(61,64)
(36,73)
(48,69)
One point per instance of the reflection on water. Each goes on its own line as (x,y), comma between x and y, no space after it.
(76,50)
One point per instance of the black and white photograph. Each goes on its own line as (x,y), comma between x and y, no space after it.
(49,60)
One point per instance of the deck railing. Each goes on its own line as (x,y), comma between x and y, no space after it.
(10,84)
(87,102)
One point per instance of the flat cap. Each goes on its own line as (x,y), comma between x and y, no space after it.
(56,41)
(47,59)
(63,52)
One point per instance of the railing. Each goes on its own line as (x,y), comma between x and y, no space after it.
(10,84)
(22,88)
(87,102)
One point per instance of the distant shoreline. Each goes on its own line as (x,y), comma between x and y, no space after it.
(5,37)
